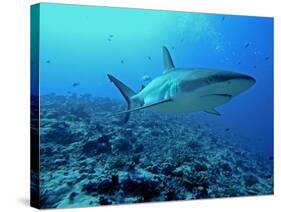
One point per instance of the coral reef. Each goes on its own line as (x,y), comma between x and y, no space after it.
(88,157)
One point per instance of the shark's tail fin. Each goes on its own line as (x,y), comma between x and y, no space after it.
(126,92)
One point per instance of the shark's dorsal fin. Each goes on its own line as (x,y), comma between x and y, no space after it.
(213,111)
(167,60)
(146,106)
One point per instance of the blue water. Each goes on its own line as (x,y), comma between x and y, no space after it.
(81,44)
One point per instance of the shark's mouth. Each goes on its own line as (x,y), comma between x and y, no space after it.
(218,94)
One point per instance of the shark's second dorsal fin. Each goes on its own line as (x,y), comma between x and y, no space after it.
(167,59)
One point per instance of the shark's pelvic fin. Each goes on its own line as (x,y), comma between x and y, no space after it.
(167,59)
(213,111)
(146,106)
(126,92)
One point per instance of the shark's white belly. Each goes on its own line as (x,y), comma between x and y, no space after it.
(205,97)
(194,102)
(191,105)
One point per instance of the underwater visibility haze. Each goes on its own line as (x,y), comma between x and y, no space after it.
(145,105)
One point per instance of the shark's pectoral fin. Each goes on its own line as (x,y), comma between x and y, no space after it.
(213,111)
(215,99)
(146,106)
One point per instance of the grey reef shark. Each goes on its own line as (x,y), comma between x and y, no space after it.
(184,90)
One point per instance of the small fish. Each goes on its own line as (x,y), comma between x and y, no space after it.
(173,47)
(149,57)
(255,66)
(246,45)
(145,78)
(111,35)
(122,61)
(239,63)
(32,63)
(226,129)
(222,19)
(109,39)
(48,61)
(270,158)
(75,84)
(267,58)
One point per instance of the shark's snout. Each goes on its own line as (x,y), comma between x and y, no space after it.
(237,83)
(245,77)
(250,81)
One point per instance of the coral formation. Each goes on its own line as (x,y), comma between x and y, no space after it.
(89,158)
